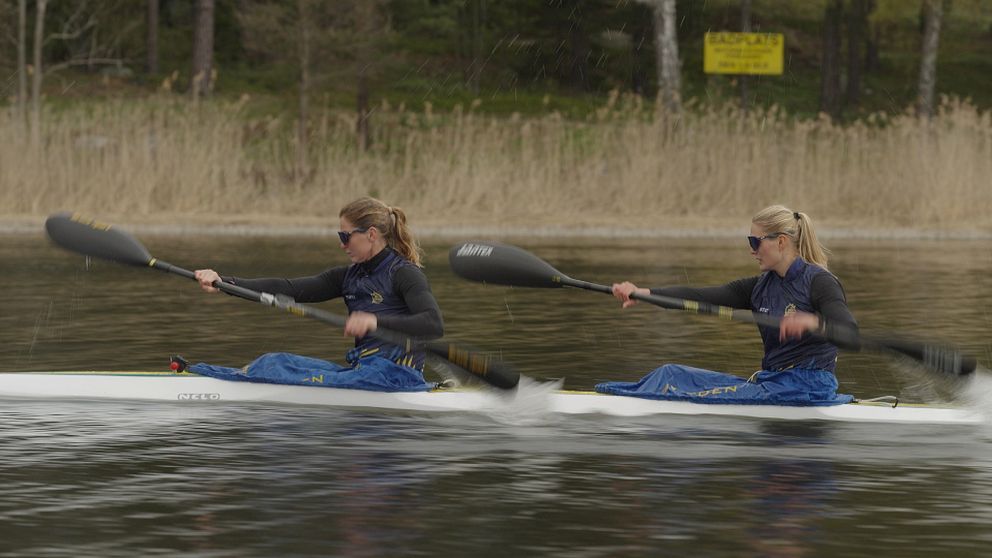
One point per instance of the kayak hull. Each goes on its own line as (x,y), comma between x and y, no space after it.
(187,388)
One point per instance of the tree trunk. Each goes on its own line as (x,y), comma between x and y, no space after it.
(363,126)
(151,58)
(830,69)
(745,28)
(639,75)
(22,63)
(366,22)
(302,167)
(872,61)
(857,25)
(475,69)
(37,70)
(578,53)
(667,48)
(933,13)
(203,48)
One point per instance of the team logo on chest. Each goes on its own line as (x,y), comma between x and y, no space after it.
(376,297)
(790,309)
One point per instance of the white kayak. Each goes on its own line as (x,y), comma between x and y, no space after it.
(192,388)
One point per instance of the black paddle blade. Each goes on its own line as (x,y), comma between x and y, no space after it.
(490,370)
(88,237)
(502,264)
(944,359)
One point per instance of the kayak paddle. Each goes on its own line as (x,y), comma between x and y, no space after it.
(503,264)
(100,240)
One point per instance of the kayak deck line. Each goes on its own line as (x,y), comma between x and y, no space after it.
(171,374)
(185,387)
(108,373)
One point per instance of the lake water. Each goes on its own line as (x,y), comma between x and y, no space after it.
(126,479)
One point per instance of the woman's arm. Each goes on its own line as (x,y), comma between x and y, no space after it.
(836,321)
(424,320)
(736,294)
(316,288)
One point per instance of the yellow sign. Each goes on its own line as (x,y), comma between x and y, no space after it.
(743,53)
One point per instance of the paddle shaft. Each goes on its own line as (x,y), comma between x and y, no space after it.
(937,357)
(688,306)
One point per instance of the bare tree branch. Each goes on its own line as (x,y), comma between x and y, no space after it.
(79,62)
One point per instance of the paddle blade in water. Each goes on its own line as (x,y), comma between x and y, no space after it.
(86,236)
(502,264)
(477,364)
(944,359)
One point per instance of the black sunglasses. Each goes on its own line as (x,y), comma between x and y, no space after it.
(346,236)
(755,241)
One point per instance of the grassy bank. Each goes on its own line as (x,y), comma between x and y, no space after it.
(626,166)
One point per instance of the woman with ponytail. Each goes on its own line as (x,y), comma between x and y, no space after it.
(794,284)
(382,287)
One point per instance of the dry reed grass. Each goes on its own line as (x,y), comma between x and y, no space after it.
(628,165)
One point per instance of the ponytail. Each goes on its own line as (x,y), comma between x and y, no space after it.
(390,221)
(778,219)
(402,239)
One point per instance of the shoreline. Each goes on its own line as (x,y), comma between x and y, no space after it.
(30,225)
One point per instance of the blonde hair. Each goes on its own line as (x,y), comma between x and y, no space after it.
(390,221)
(778,219)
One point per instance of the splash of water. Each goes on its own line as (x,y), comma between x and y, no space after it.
(976,393)
(528,405)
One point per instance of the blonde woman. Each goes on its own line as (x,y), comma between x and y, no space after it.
(382,287)
(794,284)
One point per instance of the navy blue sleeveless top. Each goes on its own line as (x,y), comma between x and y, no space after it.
(777,296)
(372,291)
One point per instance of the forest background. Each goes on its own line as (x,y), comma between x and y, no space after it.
(568,116)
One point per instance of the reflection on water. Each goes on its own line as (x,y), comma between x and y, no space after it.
(125,479)
(109,478)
